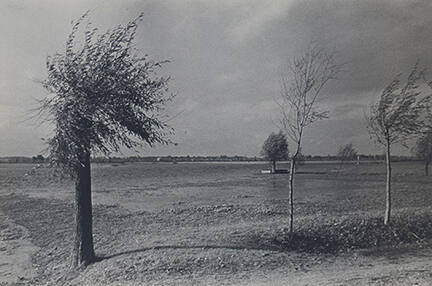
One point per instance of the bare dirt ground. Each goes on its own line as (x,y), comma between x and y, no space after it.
(238,243)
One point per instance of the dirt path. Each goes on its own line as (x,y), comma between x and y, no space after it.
(16,251)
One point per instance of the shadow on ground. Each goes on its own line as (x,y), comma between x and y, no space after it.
(343,236)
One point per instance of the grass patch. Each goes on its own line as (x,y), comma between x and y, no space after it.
(346,234)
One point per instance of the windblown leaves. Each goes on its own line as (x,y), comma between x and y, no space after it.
(423,147)
(397,115)
(347,152)
(105,95)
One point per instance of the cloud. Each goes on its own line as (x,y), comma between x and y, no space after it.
(254,17)
(226,59)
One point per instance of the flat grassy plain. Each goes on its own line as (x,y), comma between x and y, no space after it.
(220,224)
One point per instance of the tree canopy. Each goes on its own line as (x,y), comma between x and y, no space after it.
(275,147)
(347,152)
(423,149)
(103,95)
(396,115)
(302,87)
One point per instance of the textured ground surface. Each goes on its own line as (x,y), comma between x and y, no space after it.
(186,234)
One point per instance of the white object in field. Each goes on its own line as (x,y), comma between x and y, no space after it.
(265,171)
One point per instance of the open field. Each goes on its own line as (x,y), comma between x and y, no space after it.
(217,224)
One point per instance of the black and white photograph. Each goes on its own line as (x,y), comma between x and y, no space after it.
(205,142)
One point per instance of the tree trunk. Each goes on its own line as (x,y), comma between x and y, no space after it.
(427,168)
(273,170)
(83,252)
(388,185)
(291,193)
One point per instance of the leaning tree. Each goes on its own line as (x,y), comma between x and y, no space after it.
(103,95)
(395,117)
(275,148)
(302,88)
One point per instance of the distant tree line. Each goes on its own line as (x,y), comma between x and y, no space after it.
(221,158)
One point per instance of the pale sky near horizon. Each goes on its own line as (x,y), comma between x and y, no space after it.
(226,62)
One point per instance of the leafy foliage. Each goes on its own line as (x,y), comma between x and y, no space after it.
(423,147)
(103,95)
(347,152)
(275,147)
(399,109)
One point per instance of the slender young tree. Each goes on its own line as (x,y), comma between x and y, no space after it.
(394,118)
(423,149)
(301,89)
(345,153)
(103,95)
(275,148)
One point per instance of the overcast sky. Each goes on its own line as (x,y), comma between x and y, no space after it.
(226,63)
